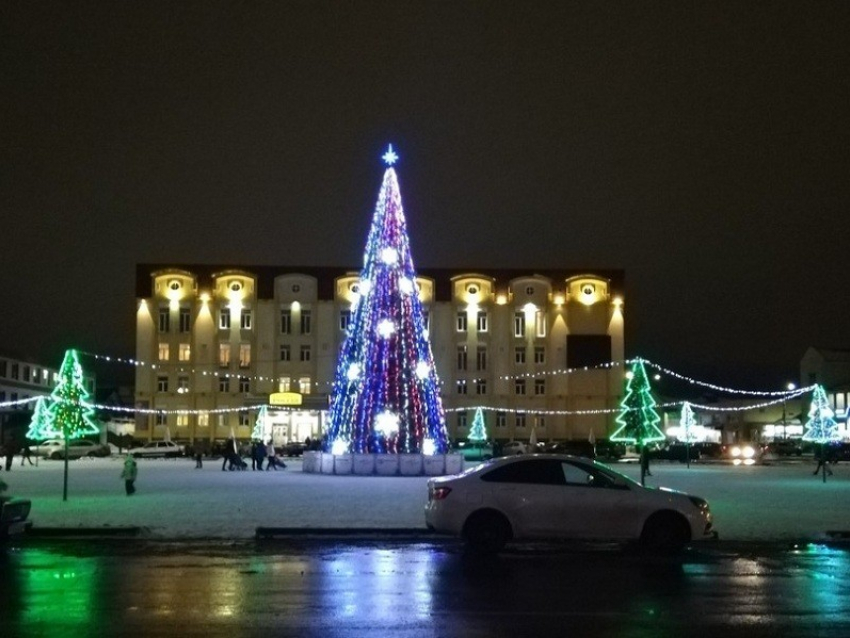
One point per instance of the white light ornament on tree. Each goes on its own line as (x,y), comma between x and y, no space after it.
(386,328)
(386,423)
(389,256)
(423,370)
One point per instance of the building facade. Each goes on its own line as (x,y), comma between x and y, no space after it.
(22,379)
(213,339)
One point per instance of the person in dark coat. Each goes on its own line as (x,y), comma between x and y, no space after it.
(822,455)
(129,474)
(228,454)
(11,450)
(25,454)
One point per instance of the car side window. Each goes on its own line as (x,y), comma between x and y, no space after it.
(579,475)
(531,471)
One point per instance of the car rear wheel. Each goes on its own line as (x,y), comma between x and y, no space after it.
(665,532)
(487,532)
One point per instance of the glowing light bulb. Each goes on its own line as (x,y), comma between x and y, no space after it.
(429,447)
(365,287)
(389,256)
(386,423)
(405,285)
(353,372)
(386,328)
(339,447)
(423,370)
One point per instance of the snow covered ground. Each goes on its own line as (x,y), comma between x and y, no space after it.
(176,501)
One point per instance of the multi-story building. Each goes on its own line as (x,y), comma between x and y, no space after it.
(212,339)
(21,379)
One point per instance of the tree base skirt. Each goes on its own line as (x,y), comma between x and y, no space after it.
(382,464)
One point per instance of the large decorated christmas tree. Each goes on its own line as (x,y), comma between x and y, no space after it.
(386,394)
(821,426)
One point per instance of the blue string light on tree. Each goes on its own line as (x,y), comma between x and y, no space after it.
(385,396)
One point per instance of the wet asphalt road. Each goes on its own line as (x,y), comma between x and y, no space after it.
(413,588)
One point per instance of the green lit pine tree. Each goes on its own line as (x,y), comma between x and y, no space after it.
(69,414)
(638,419)
(40,422)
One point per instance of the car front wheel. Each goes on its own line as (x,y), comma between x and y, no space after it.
(665,532)
(487,532)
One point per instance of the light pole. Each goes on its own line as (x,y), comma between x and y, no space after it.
(790,387)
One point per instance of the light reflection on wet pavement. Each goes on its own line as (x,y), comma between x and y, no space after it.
(335,588)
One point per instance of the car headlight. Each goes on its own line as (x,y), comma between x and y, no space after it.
(748,452)
(735,452)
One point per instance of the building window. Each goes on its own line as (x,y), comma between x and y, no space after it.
(182,384)
(539,386)
(162,383)
(283,384)
(306,322)
(540,323)
(285,322)
(305,353)
(481,386)
(244,384)
(26,374)
(540,421)
(519,355)
(344,319)
(501,420)
(461,386)
(247,320)
(519,386)
(461,322)
(520,420)
(185,352)
(164,319)
(182,420)
(223,384)
(15,369)
(305,384)
(539,354)
(163,352)
(224,319)
(203,419)
(244,355)
(461,419)
(221,420)
(185,320)
(224,354)
(482,321)
(481,358)
(519,324)
(2,396)
(461,357)
(285,353)
(426,320)
(244,419)
(161,419)
(3,364)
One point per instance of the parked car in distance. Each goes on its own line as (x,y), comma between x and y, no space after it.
(13,514)
(474,451)
(152,449)
(676,452)
(559,497)
(574,447)
(293,448)
(77,448)
(512,448)
(784,447)
(609,450)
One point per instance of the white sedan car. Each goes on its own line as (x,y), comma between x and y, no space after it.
(153,449)
(558,497)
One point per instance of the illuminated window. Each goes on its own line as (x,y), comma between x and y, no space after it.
(539,386)
(305,353)
(246,320)
(481,386)
(540,323)
(163,352)
(244,384)
(185,352)
(203,419)
(461,357)
(481,358)
(519,355)
(182,384)
(461,419)
(185,320)
(162,383)
(182,420)
(224,384)
(244,355)
(221,420)
(519,324)
(285,353)
(461,386)
(460,322)
(224,319)
(520,420)
(501,420)
(164,319)
(539,354)
(283,384)
(305,384)
(519,386)
(244,419)
(306,322)
(224,354)
(285,322)
(161,419)
(344,319)
(482,321)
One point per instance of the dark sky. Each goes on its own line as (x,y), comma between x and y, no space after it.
(702,147)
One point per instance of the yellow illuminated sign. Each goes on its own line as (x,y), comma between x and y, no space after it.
(285,398)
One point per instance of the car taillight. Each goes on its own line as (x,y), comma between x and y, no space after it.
(439,493)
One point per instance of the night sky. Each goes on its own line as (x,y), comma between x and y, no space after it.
(701,147)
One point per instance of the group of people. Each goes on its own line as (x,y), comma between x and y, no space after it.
(259,453)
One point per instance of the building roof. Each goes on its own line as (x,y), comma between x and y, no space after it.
(326,276)
(836,355)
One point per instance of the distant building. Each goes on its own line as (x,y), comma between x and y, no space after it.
(211,339)
(829,367)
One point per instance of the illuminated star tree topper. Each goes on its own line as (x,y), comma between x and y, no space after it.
(385,397)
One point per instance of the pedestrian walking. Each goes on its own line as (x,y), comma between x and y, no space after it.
(822,456)
(270,453)
(11,450)
(644,461)
(229,453)
(25,454)
(129,474)
(199,458)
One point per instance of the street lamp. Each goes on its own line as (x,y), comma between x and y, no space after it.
(790,387)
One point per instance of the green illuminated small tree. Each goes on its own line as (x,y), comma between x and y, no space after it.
(40,422)
(637,418)
(822,428)
(262,427)
(478,432)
